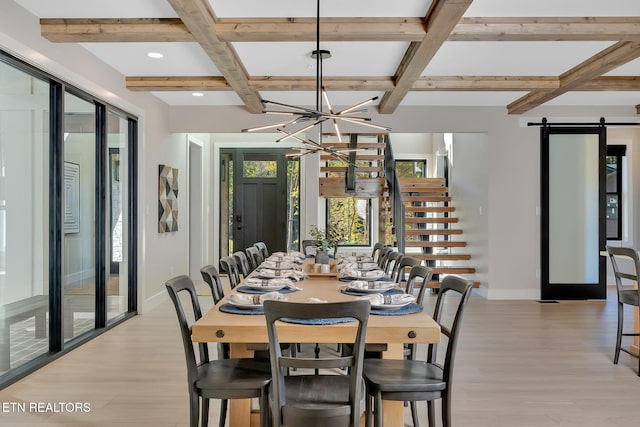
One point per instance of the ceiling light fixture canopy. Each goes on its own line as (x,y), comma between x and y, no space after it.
(302,119)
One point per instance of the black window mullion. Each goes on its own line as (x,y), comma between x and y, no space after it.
(100,216)
(56,177)
(132,135)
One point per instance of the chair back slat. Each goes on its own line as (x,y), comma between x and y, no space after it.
(229,265)
(212,278)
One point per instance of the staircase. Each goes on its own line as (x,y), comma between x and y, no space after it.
(429,223)
(431,232)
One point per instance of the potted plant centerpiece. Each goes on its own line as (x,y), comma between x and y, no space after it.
(325,240)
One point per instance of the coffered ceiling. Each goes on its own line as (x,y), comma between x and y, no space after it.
(519,54)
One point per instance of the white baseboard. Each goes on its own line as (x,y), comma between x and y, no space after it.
(153,301)
(507,294)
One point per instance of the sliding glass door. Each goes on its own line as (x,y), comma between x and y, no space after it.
(24,223)
(79,232)
(67,211)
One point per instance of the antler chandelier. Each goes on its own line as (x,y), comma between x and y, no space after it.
(303,119)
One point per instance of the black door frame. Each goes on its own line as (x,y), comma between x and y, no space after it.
(572,291)
(237,155)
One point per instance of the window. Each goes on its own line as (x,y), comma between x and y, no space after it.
(351,217)
(615,154)
(411,168)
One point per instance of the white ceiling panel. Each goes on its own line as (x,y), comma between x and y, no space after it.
(510,58)
(554,8)
(436,98)
(98,8)
(597,98)
(208,98)
(347,58)
(130,59)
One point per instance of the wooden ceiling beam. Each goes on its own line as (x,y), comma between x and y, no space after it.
(141,30)
(369,83)
(440,21)
(201,22)
(547,29)
(342,29)
(331,29)
(609,59)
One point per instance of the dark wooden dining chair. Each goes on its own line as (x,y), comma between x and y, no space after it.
(216,379)
(384,253)
(254,256)
(262,247)
(402,265)
(243,263)
(306,244)
(326,399)
(212,278)
(421,380)
(390,261)
(376,250)
(229,265)
(626,266)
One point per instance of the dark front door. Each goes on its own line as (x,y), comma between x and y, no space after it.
(260,199)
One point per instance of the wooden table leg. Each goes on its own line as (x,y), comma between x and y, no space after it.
(393,411)
(240,409)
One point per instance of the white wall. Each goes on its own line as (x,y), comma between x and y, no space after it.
(468,183)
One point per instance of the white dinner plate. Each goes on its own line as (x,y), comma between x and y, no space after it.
(380,287)
(390,306)
(246,306)
(265,287)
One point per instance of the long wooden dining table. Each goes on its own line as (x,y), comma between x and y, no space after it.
(239,330)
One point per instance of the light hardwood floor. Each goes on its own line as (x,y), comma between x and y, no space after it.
(519,363)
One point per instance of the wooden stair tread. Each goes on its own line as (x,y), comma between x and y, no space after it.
(434,199)
(453,270)
(427,220)
(431,231)
(435,209)
(359,157)
(440,244)
(432,181)
(344,169)
(442,257)
(430,190)
(360,146)
(434,284)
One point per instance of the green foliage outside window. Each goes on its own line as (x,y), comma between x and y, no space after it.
(350,217)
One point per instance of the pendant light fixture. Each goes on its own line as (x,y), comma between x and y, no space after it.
(303,119)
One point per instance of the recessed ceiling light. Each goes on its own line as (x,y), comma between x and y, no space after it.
(197,94)
(155,55)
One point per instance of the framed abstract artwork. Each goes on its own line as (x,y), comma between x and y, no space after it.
(168,199)
(71,198)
